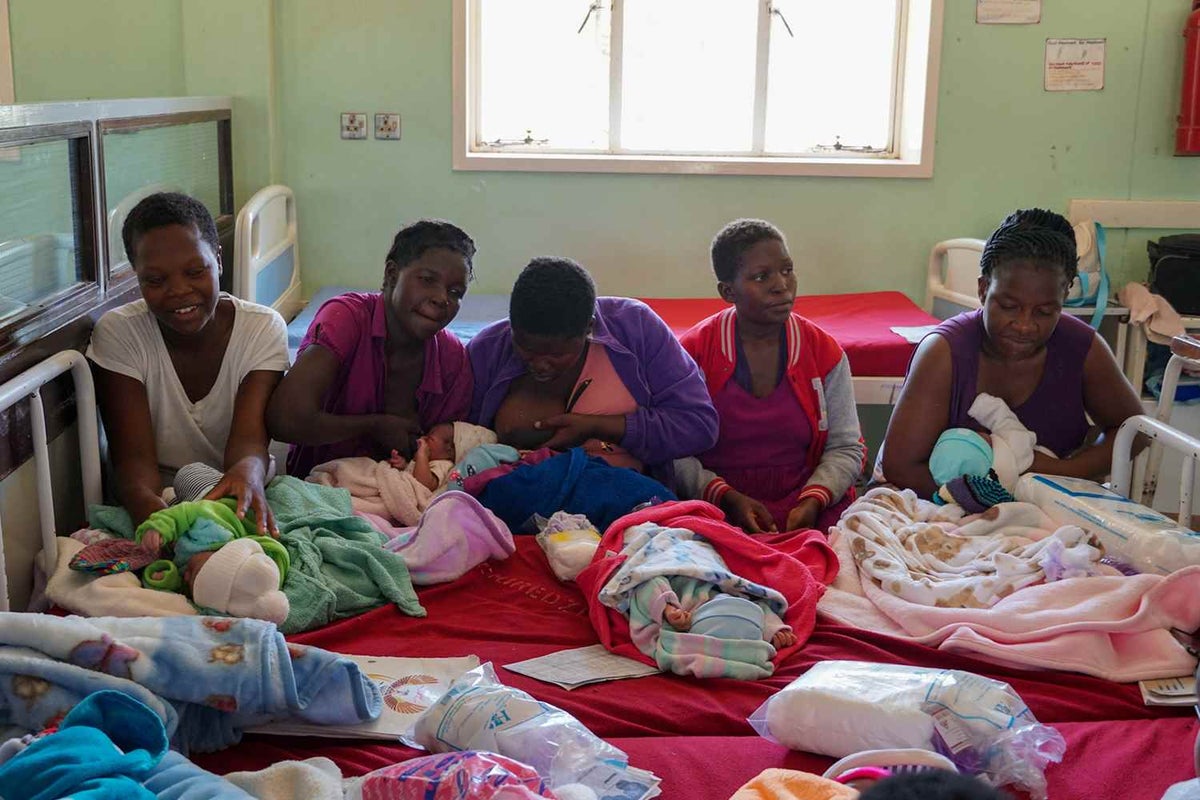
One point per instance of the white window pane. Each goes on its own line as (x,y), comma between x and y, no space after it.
(538,75)
(688,75)
(834,77)
(38,252)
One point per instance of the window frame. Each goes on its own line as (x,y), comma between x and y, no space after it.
(59,320)
(914,112)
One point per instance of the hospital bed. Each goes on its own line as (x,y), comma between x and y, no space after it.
(693,734)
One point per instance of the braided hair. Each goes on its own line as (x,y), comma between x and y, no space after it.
(414,239)
(1042,237)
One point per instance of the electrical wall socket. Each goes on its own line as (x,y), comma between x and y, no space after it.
(354,125)
(387,125)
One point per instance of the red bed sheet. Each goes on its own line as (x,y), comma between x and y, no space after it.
(860,322)
(678,727)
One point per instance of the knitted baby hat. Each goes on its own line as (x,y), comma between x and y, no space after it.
(467,437)
(959,451)
(727,617)
(242,581)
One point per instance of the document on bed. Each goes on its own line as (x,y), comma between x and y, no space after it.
(1170,691)
(409,686)
(912,334)
(571,669)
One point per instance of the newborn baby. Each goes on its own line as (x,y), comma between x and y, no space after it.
(726,616)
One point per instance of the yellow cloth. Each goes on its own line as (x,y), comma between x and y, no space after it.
(790,784)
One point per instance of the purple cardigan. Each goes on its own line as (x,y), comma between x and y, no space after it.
(675,416)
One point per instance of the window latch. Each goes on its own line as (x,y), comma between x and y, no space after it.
(594,7)
(838,147)
(526,140)
(775,12)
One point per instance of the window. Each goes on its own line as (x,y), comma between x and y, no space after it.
(743,86)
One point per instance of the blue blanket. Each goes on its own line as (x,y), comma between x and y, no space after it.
(573,482)
(205,677)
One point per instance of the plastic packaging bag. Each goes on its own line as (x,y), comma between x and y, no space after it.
(841,707)
(480,713)
(468,775)
(569,541)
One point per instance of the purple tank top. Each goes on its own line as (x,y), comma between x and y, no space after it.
(1055,410)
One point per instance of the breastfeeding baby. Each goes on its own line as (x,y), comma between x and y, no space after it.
(978,470)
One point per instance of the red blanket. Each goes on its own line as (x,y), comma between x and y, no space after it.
(799,565)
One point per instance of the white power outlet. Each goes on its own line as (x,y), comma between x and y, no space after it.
(354,125)
(387,125)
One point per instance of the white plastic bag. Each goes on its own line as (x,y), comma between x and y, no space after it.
(480,713)
(841,707)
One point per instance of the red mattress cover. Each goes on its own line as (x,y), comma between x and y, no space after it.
(860,322)
(677,727)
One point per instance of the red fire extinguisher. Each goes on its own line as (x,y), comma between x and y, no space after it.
(1187,135)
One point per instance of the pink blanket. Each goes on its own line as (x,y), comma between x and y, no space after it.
(1114,627)
(453,535)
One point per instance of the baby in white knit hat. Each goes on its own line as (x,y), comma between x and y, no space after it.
(238,579)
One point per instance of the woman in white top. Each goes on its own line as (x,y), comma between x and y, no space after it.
(184,374)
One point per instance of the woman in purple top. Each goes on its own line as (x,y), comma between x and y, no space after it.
(563,348)
(376,369)
(1051,369)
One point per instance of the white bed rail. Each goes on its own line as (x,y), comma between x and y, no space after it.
(1162,435)
(1185,352)
(29,385)
(954,273)
(266,260)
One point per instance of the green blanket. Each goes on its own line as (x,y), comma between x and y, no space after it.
(338,568)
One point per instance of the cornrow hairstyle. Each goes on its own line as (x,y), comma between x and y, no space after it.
(552,297)
(414,239)
(732,242)
(167,208)
(1035,235)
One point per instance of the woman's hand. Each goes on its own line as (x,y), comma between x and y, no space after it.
(804,515)
(395,433)
(572,430)
(746,512)
(244,482)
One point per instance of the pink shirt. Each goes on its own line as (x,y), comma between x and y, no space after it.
(600,390)
(353,327)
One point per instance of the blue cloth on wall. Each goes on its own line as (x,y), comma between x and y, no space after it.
(573,482)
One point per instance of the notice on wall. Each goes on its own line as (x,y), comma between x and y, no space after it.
(1008,12)
(1074,65)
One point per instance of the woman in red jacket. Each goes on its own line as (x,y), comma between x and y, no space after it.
(790,446)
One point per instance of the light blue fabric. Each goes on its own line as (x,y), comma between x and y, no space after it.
(727,617)
(478,459)
(176,778)
(204,535)
(958,452)
(205,678)
(103,749)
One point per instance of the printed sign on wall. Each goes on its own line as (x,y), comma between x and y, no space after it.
(1074,65)
(1008,12)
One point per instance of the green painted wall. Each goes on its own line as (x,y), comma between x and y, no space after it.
(88,50)
(1002,142)
(293,66)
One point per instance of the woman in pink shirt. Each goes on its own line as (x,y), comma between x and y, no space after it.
(376,369)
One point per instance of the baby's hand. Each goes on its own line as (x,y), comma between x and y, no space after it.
(397,461)
(783,638)
(677,618)
(152,542)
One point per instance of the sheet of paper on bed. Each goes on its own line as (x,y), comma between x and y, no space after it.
(1169,691)
(571,669)
(409,686)
(913,334)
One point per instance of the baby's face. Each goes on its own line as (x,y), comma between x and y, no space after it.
(441,442)
(192,567)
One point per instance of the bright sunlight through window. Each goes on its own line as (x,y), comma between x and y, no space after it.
(748,86)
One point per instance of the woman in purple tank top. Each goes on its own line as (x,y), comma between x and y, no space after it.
(1051,369)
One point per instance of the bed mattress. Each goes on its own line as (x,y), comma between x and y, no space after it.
(860,322)
(680,728)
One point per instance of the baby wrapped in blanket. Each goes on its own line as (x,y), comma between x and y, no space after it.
(689,612)
(402,489)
